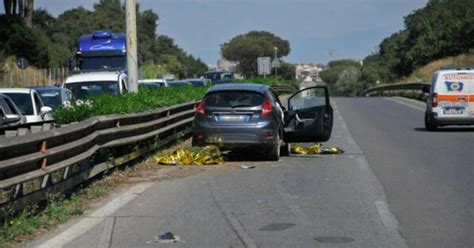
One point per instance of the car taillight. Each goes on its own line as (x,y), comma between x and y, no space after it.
(200,110)
(267,108)
(434,100)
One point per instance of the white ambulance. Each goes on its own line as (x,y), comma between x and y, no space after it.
(451,99)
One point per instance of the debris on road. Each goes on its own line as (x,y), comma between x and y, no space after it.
(192,156)
(244,166)
(317,148)
(166,238)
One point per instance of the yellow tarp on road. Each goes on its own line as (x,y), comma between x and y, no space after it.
(197,156)
(315,149)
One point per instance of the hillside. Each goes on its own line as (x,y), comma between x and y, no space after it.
(425,72)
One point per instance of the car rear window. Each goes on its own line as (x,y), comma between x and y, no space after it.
(51,98)
(234,99)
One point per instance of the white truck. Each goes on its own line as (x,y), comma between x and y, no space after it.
(96,83)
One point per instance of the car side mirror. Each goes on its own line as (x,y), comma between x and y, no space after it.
(46,109)
(426,89)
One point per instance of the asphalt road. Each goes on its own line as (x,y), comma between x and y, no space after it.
(428,177)
(395,186)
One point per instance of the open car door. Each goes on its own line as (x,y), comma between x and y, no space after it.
(309,117)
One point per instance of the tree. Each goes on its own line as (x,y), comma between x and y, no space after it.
(246,48)
(22,8)
(50,41)
(287,71)
(342,76)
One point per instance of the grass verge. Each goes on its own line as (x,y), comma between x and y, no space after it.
(38,219)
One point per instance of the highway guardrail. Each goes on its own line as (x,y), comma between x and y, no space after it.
(35,166)
(25,129)
(282,89)
(394,89)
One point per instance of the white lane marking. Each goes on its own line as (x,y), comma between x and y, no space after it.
(406,104)
(106,237)
(249,243)
(388,219)
(96,217)
(362,163)
(232,220)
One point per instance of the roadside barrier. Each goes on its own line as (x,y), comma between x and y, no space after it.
(282,89)
(411,90)
(26,129)
(39,165)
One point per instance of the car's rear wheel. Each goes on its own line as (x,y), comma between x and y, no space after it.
(429,123)
(274,153)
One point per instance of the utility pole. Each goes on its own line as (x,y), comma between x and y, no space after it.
(131,29)
(276,67)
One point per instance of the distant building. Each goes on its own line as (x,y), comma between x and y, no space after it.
(309,71)
(226,65)
(212,67)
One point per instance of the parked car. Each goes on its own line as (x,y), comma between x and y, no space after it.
(250,116)
(54,96)
(179,83)
(10,115)
(217,76)
(29,103)
(198,82)
(96,83)
(450,98)
(158,82)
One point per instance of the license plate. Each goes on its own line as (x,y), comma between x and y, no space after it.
(453,111)
(232,117)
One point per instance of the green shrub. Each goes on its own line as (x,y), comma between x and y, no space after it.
(145,99)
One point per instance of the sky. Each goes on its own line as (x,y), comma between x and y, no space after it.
(318,30)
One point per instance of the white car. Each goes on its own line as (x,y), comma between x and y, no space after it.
(29,103)
(159,82)
(96,83)
(451,98)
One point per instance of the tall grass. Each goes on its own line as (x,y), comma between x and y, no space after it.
(425,73)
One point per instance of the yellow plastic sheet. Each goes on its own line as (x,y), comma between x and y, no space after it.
(197,156)
(317,148)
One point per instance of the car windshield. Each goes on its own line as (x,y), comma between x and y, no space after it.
(23,102)
(50,97)
(234,99)
(102,63)
(83,89)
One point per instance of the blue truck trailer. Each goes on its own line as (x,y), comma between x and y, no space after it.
(99,51)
